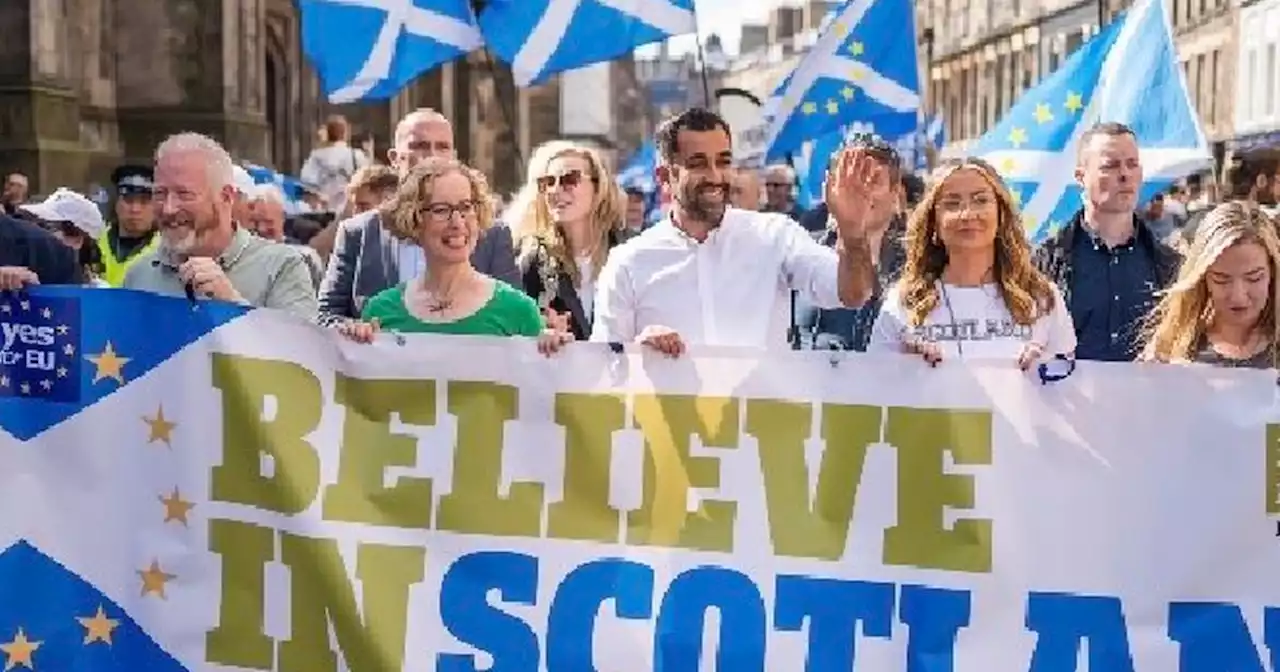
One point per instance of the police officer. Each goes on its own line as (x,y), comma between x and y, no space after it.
(132,230)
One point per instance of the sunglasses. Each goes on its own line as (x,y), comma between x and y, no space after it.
(567,180)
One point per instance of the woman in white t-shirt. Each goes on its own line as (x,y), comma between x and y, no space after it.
(968,288)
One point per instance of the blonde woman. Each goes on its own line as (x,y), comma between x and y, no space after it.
(571,218)
(968,288)
(443,207)
(1222,308)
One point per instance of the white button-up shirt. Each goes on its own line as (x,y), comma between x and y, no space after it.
(731,290)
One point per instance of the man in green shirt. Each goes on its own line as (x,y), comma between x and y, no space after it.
(203,252)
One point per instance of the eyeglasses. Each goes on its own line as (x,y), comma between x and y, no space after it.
(567,180)
(443,212)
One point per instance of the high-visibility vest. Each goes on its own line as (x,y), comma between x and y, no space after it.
(115,269)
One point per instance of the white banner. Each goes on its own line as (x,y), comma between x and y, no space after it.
(275,498)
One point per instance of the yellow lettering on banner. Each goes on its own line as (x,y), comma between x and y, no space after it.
(589,422)
(474,505)
(240,638)
(922,437)
(796,527)
(246,384)
(668,423)
(320,594)
(369,447)
(1273,469)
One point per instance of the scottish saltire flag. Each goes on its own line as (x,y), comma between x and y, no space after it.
(1127,73)
(291,187)
(370,49)
(540,38)
(639,171)
(862,69)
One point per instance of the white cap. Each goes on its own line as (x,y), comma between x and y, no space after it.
(68,206)
(243,181)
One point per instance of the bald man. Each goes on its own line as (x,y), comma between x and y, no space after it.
(365,260)
(779,192)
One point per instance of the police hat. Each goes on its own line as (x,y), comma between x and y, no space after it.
(133,180)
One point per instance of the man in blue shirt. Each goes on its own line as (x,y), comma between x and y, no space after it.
(1106,261)
(30,254)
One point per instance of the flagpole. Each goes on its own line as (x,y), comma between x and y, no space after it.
(507,111)
(702,60)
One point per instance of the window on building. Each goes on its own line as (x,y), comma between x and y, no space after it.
(1202,85)
(1252,109)
(1269,86)
(999,92)
(1177,13)
(1215,76)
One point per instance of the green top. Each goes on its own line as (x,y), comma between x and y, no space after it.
(509,312)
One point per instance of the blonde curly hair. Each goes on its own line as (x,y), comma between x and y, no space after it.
(402,215)
(1026,291)
(534,226)
(1174,330)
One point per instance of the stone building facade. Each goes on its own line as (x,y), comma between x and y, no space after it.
(87,84)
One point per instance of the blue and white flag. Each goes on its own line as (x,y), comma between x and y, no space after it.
(221,488)
(862,69)
(811,161)
(639,171)
(1128,73)
(540,38)
(371,49)
(291,187)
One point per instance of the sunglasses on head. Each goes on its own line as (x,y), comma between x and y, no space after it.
(873,145)
(566,180)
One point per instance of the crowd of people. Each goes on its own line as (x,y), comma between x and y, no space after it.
(940,268)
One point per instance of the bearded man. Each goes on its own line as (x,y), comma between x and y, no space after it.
(710,274)
(204,253)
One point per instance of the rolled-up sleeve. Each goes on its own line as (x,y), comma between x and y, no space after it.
(615,314)
(811,268)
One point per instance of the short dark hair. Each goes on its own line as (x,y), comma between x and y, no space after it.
(875,146)
(1112,129)
(1240,177)
(693,119)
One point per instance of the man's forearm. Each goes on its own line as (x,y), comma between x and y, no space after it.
(856,273)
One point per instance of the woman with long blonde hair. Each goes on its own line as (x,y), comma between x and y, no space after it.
(968,287)
(570,215)
(1222,308)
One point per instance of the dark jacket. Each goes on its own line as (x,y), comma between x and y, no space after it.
(850,328)
(534,263)
(365,261)
(1053,257)
(27,244)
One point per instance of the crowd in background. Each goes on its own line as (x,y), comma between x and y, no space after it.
(940,268)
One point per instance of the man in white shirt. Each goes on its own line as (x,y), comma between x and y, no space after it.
(709,274)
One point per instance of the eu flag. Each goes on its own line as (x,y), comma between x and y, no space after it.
(1127,73)
(65,349)
(863,69)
